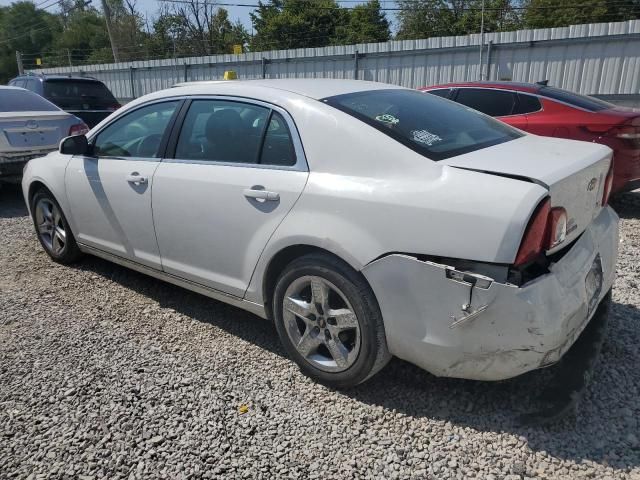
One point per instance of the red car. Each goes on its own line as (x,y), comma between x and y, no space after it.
(553,112)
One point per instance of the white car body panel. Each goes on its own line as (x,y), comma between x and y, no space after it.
(376,204)
(111,213)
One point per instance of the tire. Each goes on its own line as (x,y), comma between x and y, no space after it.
(336,335)
(52,228)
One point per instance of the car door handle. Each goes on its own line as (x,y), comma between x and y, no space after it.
(135,177)
(261,194)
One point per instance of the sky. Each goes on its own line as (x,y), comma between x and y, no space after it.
(150,8)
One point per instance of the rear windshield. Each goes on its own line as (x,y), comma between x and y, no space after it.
(581,101)
(433,127)
(89,92)
(14,100)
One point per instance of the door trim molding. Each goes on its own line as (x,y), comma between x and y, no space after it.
(252,307)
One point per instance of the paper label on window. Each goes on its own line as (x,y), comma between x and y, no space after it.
(423,136)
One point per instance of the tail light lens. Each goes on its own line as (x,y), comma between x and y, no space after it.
(78,129)
(546,229)
(628,133)
(608,184)
(534,235)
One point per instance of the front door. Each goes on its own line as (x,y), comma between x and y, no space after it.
(235,174)
(110,191)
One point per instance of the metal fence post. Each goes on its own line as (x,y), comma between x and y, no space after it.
(355,65)
(489,47)
(132,80)
(186,72)
(264,67)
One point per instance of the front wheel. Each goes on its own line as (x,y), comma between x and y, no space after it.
(329,321)
(53,229)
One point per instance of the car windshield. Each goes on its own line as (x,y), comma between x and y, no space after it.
(429,125)
(18,100)
(581,101)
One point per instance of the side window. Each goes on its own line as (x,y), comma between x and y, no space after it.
(20,83)
(527,104)
(278,147)
(441,92)
(31,84)
(495,103)
(136,134)
(222,131)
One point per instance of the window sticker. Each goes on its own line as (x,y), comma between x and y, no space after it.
(388,119)
(423,136)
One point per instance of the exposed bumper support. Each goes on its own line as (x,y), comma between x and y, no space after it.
(521,328)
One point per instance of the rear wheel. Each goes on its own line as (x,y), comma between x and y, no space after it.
(53,229)
(329,321)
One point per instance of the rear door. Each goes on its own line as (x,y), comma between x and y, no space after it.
(501,104)
(110,191)
(237,169)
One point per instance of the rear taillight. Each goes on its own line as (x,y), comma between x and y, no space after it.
(629,133)
(608,184)
(546,229)
(78,129)
(533,239)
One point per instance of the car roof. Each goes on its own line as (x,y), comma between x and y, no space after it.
(7,87)
(316,88)
(519,86)
(42,76)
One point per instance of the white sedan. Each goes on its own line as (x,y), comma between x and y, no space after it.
(365,220)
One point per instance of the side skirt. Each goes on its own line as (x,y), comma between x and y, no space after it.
(254,308)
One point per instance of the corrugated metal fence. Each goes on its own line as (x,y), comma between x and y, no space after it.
(601,58)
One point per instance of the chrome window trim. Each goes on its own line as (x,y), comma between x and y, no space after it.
(301,164)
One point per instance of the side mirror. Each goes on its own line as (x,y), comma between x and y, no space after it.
(75,145)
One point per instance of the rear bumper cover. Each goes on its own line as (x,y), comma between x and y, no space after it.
(11,165)
(521,328)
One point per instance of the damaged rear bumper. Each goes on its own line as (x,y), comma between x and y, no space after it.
(505,330)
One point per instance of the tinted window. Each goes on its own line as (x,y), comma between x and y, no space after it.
(69,93)
(527,104)
(19,83)
(495,103)
(278,147)
(222,131)
(31,84)
(137,134)
(441,92)
(427,124)
(575,99)
(12,100)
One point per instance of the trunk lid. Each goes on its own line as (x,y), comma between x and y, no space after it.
(573,172)
(32,130)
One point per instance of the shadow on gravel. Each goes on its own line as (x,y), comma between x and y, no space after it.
(408,390)
(11,202)
(627,205)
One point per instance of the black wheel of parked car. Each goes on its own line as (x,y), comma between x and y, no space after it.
(329,321)
(53,229)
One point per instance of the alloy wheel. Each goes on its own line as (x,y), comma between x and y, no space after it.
(50,226)
(321,324)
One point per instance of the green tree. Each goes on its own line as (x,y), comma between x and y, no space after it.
(559,13)
(365,23)
(424,19)
(281,24)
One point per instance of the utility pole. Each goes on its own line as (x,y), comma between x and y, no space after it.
(481,42)
(69,57)
(107,16)
(19,62)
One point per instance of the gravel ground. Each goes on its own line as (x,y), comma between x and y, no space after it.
(106,373)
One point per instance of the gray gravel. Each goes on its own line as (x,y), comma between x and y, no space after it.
(105,373)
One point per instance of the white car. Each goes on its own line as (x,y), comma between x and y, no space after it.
(30,127)
(365,219)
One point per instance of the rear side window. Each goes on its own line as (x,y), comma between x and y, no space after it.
(575,99)
(496,103)
(69,92)
(427,124)
(441,92)
(21,100)
(234,132)
(527,104)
